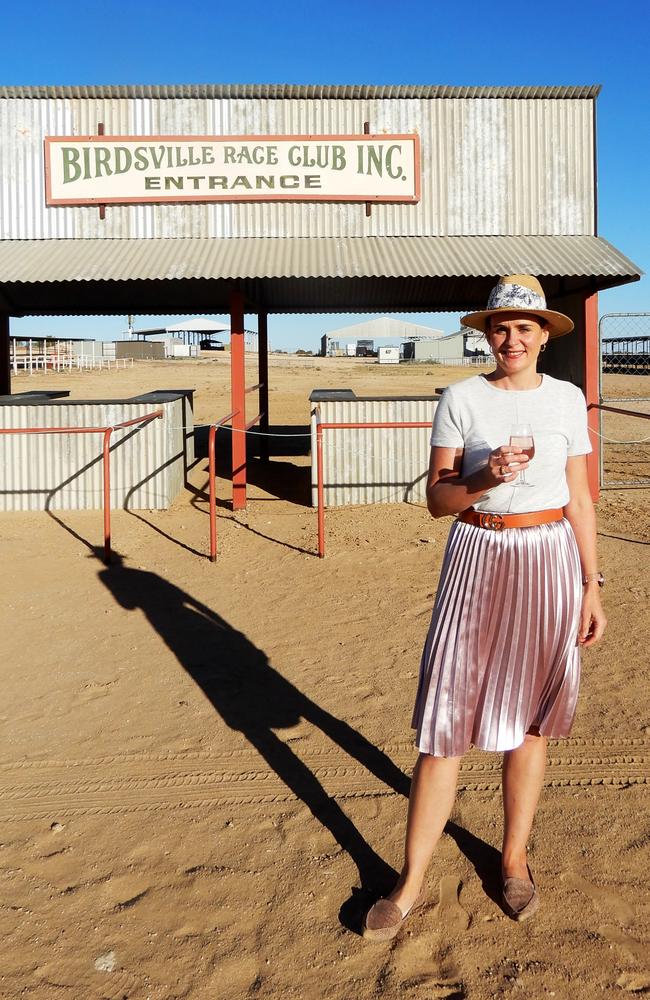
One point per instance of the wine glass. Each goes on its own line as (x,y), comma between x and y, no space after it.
(521,436)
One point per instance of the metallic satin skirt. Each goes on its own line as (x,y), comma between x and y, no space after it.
(501,656)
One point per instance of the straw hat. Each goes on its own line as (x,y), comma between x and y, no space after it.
(519,293)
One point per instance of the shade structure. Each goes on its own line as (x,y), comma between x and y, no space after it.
(356,274)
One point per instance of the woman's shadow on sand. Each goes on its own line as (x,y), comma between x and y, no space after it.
(255,699)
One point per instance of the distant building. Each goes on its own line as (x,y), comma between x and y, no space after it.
(335,343)
(198,332)
(190,331)
(465,343)
(475,343)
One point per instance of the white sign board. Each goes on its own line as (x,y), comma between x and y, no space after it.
(86,170)
(388,355)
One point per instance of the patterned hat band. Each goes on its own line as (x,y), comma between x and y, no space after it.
(510,296)
(519,293)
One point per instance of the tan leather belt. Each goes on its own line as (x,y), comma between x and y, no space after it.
(497,522)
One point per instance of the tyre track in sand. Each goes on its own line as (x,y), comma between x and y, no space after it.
(34,789)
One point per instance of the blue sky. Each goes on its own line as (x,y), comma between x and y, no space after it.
(364,42)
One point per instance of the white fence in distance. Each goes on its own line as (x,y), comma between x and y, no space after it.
(64,362)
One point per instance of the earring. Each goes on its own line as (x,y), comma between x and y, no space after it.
(542,348)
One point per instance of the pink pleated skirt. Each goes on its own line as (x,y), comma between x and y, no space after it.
(501,656)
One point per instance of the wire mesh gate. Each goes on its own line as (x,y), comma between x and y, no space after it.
(624,400)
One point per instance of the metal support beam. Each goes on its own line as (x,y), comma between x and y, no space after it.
(5,362)
(102,208)
(263,379)
(591,389)
(366,131)
(238,400)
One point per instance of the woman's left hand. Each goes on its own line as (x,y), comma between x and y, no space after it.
(592,618)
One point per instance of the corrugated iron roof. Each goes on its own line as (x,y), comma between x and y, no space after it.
(363,274)
(290,91)
(27,261)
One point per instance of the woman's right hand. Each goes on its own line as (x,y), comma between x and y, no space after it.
(504,465)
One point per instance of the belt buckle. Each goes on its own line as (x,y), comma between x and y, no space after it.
(493,521)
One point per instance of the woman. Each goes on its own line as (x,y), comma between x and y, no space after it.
(518,593)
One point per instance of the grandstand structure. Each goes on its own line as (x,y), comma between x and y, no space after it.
(466,203)
(626,355)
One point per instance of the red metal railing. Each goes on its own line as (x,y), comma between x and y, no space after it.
(255,420)
(320,427)
(106,458)
(212,472)
(212,467)
(617,409)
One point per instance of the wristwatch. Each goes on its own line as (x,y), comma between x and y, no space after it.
(588,577)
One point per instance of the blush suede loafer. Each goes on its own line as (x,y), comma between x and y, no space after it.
(520,897)
(384,919)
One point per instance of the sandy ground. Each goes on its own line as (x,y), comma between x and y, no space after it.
(204,767)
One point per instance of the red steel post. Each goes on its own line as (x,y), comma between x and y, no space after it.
(263,370)
(592,361)
(107,494)
(238,400)
(213,492)
(5,365)
(321,491)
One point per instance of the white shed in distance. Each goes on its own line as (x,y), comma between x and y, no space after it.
(382,328)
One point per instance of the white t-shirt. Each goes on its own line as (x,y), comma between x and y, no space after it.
(476,416)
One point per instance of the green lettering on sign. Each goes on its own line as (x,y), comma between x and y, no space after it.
(102,159)
(123,159)
(390,152)
(71,168)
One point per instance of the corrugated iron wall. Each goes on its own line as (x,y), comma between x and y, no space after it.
(373,466)
(64,472)
(495,166)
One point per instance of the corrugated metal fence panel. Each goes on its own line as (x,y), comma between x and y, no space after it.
(381,465)
(489,167)
(64,472)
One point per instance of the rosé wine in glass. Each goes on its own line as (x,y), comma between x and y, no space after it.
(521,436)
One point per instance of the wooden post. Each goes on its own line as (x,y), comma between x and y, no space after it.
(366,131)
(591,387)
(5,365)
(238,400)
(102,208)
(263,379)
